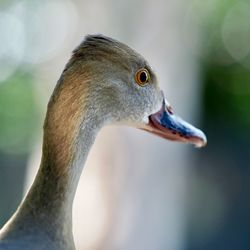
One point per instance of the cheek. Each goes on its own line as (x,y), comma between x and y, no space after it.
(154,101)
(142,106)
(137,106)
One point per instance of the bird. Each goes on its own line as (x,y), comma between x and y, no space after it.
(104,82)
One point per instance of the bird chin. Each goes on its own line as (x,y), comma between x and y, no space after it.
(167,125)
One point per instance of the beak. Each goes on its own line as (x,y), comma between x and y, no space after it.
(169,126)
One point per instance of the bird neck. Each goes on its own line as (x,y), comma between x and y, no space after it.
(69,131)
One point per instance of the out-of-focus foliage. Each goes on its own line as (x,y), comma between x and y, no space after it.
(225,63)
(222,171)
(18,114)
(225,60)
(227,95)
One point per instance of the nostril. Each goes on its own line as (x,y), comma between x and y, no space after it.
(170,110)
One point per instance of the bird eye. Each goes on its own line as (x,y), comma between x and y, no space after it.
(142,77)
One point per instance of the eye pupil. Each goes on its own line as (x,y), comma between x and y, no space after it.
(143,77)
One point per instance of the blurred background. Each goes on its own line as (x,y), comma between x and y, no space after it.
(137,191)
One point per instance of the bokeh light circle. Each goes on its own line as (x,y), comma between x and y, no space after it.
(236,31)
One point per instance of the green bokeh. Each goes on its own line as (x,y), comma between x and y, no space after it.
(227,96)
(19,115)
(227,80)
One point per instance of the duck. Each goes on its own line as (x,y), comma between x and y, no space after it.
(105,82)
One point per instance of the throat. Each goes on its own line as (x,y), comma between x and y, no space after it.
(51,196)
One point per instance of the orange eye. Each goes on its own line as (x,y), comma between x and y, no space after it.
(142,77)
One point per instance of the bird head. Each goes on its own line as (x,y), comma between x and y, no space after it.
(121,88)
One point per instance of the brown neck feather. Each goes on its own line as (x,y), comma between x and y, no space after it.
(69,132)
